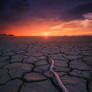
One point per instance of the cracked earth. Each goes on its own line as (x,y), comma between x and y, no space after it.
(24,64)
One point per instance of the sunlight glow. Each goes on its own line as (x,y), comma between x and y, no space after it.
(46,34)
(51,28)
(56,27)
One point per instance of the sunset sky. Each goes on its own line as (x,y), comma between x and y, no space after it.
(46,17)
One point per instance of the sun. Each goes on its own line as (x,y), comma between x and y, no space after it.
(46,34)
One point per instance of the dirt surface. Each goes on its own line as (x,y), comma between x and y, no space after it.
(24,65)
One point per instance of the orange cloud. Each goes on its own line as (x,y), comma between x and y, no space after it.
(40,27)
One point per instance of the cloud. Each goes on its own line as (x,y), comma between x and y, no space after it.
(88,16)
(14,12)
(78,11)
(56,27)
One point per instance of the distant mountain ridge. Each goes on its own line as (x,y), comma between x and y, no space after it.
(6,35)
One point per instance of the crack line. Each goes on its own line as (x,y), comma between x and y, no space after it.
(60,84)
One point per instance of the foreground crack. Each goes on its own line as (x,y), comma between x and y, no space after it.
(87,85)
(56,76)
(20,87)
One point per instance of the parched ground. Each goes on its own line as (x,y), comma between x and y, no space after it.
(24,65)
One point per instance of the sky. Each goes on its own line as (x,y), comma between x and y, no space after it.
(46,17)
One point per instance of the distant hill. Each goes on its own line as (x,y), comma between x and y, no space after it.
(5,35)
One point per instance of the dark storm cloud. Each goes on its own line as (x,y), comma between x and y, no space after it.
(78,11)
(16,10)
(10,9)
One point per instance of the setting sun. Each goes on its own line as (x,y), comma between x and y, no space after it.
(46,34)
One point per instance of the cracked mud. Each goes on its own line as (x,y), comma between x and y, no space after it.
(24,64)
